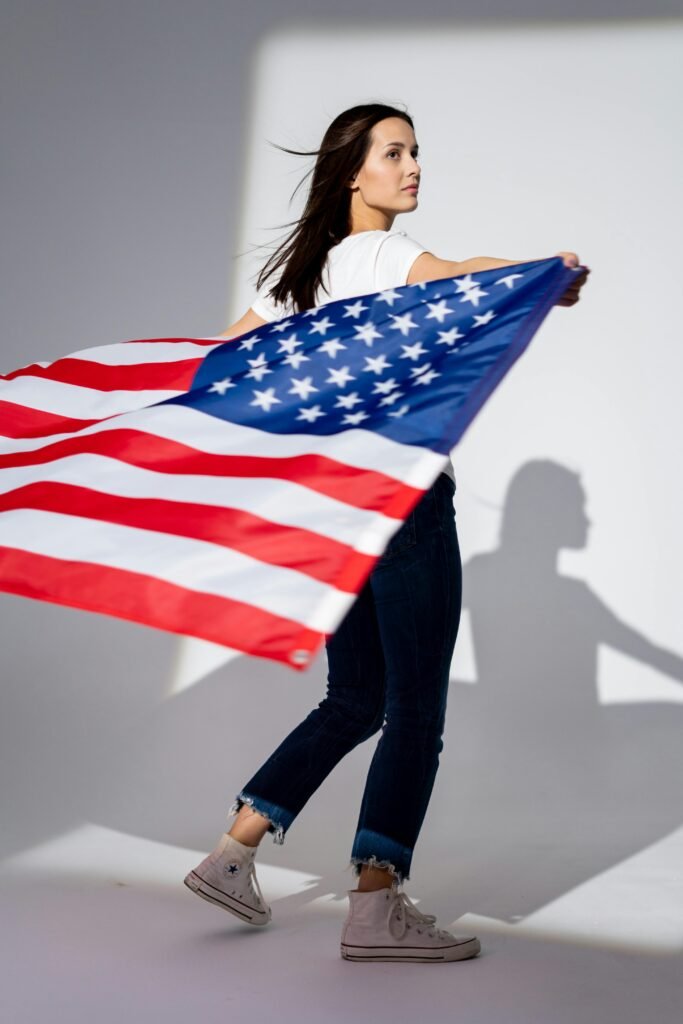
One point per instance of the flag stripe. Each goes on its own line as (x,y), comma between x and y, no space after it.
(194,564)
(19,422)
(77,402)
(148,600)
(302,550)
(283,504)
(176,375)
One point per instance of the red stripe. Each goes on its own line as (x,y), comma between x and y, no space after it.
(20,421)
(288,547)
(362,488)
(153,602)
(171,341)
(101,377)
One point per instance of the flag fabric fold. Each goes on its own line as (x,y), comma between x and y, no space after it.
(242,490)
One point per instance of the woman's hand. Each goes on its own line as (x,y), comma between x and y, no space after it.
(571,296)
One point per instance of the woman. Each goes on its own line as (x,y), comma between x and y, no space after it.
(389,659)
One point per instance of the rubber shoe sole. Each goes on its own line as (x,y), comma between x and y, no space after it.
(464,950)
(222,899)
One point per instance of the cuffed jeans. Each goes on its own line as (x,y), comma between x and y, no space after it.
(389,663)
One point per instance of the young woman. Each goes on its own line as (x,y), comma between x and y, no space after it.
(389,659)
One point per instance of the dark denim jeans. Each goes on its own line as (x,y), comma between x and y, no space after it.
(388,664)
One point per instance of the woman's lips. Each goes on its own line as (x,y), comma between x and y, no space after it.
(411,188)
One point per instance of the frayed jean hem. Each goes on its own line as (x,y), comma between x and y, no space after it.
(279,819)
(380,851)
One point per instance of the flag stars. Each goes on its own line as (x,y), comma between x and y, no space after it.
(508,279)
(221,386)
(320,326)
(427,377)
(264,399)
(367,333)
(296,359)
(400,412)
(413,351)
(355,310)
(331,347)
(383,387)
(391,398)
(403,323)
(249,342)
(348,401)
(483,318)
(354,418)
(283,326)
(302,388)
(449,337)
(311,415)
(438,311)
(259,367)
(389,296)
(289,344)
(378,365)
(340,377)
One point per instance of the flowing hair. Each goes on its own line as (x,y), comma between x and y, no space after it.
(325,220)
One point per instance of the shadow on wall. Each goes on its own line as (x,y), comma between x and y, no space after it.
(540,788)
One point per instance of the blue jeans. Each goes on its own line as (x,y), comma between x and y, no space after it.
(388,662)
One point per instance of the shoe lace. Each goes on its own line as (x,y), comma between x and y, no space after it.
(402,911)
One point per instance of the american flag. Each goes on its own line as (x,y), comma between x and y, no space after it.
(242,490)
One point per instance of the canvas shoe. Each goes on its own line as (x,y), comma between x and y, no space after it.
(386,926)
(227,877)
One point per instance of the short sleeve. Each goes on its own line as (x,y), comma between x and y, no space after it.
(396,254)
(265,307)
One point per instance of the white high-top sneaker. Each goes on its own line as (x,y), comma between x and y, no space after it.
(385,925)
(227,877)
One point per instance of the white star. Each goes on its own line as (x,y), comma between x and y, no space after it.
(427,377)
(483,318)
(331,347)
(356,309)
(367,333)
(403,323)
(313,311)
(419,284)
(259,367)
(464,283)
(417,370)
(448,337)
(438,310)
(473,296)
(302,388)
(311,415)
(249,343)
(377,365)
(340,377)
(320,326)
(348,401)
(508,279)
(390,399)
(413,351)
(289,344)
(221,386)
(400,412)
(264,399)
(283,326)
(355,417)
(389,296)
(383,387)
(296,359)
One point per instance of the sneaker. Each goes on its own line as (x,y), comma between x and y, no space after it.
(385,925)
(227,877)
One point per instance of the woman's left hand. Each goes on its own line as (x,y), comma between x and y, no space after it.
(571,296)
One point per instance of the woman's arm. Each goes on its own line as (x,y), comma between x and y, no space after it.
(249,322)
(428,267)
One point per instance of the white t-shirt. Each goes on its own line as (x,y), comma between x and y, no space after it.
(368,261)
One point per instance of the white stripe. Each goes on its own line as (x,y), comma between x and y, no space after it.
(362,449)
(133,352)
(191,564)
(279,501)
(72,400)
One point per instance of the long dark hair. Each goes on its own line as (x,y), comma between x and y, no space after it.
(326,217)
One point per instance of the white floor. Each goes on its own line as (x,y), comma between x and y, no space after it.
(96,925)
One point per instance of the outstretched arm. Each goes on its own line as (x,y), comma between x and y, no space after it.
(428,267)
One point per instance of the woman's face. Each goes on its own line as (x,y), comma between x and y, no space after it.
(390,167)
